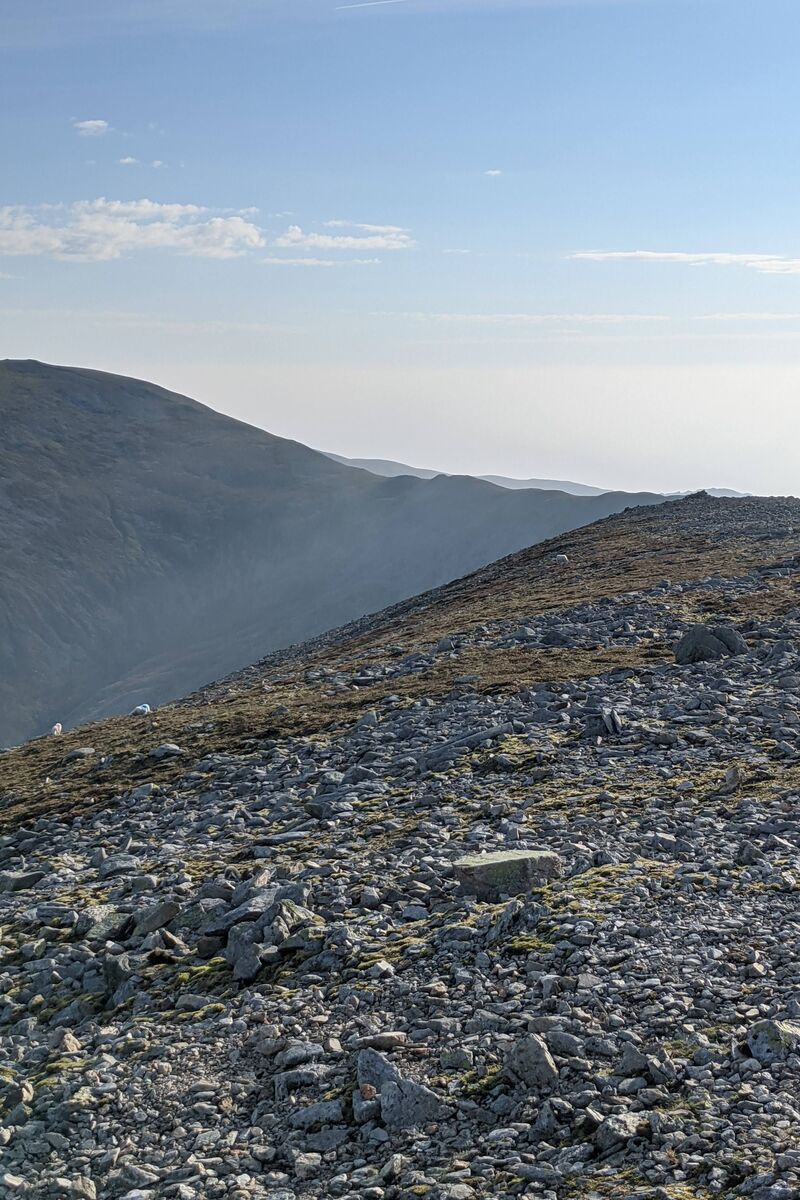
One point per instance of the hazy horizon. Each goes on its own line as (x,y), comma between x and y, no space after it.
(558,241)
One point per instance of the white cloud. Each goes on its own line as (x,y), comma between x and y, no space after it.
(766,264)
(132,320)
(368,4)
(100,230)
(752,316)
(493,173)
(295,238)
(91,128)
(364,228)
(320,262)
(528,318)
(130,161)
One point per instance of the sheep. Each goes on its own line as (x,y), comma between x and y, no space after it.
(56,730)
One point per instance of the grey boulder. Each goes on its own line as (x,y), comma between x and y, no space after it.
(405,1104)
(708,643)
(773,1041)
(506,872)
(616,1130)
(530,1062)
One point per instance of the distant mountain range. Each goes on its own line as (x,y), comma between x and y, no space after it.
(390,469)
(149,544)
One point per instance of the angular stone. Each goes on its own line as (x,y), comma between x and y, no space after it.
(373,1069)
(616,1130)
(118,864)
(632,1062)
(708,643)
(531,1062)
(773,1041)
(167,750)
(251,909)
(156,917)
(387,1039)
(506,872)
(82,752)
(326,1112)
(405,1104)
(17,881)
(307,1166)
(102,922)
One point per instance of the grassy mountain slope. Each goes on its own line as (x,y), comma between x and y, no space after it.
(280,919)
(286,693)
(149,543)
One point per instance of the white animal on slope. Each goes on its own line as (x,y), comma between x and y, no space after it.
(56,730)
(141,710)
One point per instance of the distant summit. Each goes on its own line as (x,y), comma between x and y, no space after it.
(390,469)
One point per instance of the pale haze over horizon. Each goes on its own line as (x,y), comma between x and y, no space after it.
(560,240)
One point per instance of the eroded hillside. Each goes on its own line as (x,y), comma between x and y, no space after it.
(243,956)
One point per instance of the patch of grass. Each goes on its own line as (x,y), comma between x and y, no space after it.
(527,943)
(624,553)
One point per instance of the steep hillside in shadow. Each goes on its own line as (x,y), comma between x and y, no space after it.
(149,543)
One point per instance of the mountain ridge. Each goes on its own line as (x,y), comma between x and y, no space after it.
(390,468)
(150,543)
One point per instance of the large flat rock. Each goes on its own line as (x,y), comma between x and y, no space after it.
(506,873)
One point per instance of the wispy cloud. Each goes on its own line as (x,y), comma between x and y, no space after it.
(339,224)
(296,238)
(748,316)
(493,173)
(369,4)
(156,164)
(766,264)
(275,261)
(453,318)
(136,320)
(99,230)
(94,128)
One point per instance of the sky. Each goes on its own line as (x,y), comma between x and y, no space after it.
(523,237)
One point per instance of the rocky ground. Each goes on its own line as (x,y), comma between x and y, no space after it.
(242,956)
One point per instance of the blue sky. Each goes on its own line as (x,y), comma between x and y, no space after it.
(526,238)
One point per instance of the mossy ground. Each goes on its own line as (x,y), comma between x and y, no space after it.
(621,554)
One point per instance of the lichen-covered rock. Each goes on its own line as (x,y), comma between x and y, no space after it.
(506,872)
(618,1129)
(773,1041)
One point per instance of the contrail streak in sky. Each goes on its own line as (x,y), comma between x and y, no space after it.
(368,4)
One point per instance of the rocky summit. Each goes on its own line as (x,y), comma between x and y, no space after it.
(488,895)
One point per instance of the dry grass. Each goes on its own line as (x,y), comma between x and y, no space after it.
(622,554)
